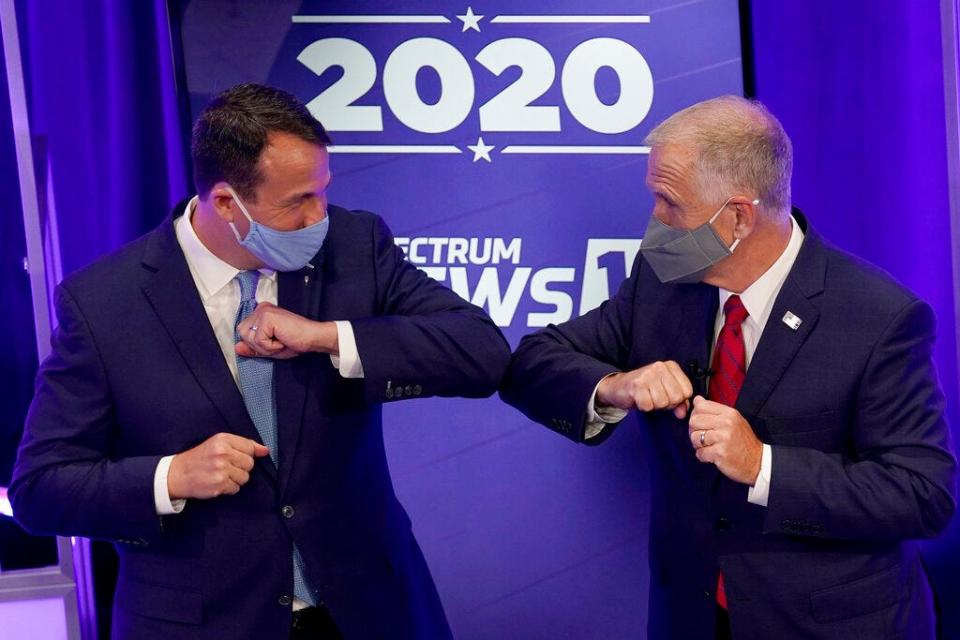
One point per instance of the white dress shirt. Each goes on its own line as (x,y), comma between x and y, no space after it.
(220,295)
(758,299)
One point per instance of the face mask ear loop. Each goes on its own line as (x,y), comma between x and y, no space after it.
(243,210)
(736,242)
(754,202)
(720,210)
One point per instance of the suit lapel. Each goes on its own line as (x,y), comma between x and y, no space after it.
(777,347)
(299,292)
(173,295)
(779,343)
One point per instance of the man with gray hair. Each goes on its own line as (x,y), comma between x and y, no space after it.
(789,404)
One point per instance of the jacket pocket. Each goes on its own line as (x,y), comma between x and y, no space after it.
(819,431)
(859,597)
(164,603)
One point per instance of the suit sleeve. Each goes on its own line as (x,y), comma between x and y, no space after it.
(554,371)
(65,480)
(901,482)
(424,340)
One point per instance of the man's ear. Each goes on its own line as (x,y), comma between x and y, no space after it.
(747,213)
(222,201)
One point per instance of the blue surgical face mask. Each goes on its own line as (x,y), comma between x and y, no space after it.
(281,250)
(685,255)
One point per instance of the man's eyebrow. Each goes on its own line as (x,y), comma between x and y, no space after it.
(662,191)
(297,197)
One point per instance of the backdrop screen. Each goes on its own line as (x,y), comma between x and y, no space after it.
(503,144)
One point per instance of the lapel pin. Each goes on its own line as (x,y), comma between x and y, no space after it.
(791,320)
(306,277)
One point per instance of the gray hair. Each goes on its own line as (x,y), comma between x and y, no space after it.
(738,144)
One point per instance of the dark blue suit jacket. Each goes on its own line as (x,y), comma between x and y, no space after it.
(862,461)
(136,373)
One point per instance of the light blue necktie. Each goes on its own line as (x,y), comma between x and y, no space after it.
(256,385)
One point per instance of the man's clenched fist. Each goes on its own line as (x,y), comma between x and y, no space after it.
(219,465)
(661,385)
(722,436)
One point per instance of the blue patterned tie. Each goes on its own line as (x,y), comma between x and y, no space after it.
(256,385)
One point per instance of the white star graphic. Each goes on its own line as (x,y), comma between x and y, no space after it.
(470,20)
(481,150)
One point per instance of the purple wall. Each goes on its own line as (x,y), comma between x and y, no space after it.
(530,536)
(527,534)
(859,89)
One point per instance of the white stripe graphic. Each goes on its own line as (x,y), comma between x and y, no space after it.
(396,19)
(394,148)
(576,149)
(587,19)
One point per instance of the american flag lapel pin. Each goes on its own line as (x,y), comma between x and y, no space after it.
(791,320)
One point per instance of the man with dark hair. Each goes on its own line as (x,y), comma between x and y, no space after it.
(212,401)
(791,411)
(232,130)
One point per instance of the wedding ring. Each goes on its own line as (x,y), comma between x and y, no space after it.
(703,436)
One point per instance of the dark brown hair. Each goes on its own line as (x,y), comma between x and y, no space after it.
(232,131)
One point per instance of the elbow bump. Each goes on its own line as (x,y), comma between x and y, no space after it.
(492,367)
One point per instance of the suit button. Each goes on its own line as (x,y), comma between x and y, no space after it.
(408,390)
(706,594)
(417,390)
(287,511)
(723,524)
(284,601)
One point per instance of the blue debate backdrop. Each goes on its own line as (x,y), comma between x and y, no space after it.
(503,143)
(475,134)
(528,536)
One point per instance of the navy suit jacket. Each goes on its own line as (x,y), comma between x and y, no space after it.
(862,461)
(136,373)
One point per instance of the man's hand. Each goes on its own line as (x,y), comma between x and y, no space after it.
(661,385)
(272,332)
(721,436)
(219,465)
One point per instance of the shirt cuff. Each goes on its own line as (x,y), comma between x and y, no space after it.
(161,495)
(599,417)
(348,362)
(760,491)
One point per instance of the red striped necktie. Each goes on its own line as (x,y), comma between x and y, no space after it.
(729,369)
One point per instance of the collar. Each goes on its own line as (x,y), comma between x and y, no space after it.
(210,272)
(759,297)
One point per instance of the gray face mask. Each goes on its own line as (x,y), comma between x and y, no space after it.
(684,255)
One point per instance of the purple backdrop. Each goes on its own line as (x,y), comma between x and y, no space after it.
(859,88)
(528,536)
